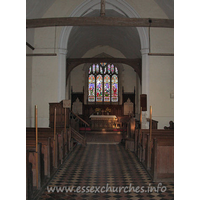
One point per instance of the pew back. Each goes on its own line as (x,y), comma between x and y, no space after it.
(162,161)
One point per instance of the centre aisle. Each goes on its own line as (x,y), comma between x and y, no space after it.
(93,169)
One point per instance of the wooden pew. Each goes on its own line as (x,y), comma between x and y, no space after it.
(162,162)
(141,140)
(60,145)
(154,123)
(29,177)
(47,147)
(156,157)
(36,164)
(53,146)
(148,145)
(47,152)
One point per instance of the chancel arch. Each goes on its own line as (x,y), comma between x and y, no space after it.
(118,8)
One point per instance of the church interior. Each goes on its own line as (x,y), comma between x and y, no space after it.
(100,99)
(88,105)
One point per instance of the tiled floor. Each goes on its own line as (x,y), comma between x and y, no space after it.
(105,165)
(94,138)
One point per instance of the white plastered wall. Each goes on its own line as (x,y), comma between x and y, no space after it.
(28,87)
(43,71)
(159,83)
(162,89)
(44,87)
(161,76)
(78,79)
(128,79)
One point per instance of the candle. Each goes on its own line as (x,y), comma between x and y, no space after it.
(36,143)
(54,123)
(54,137)
(36,128)
(65,124)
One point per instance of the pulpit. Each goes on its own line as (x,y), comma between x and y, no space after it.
(103,122)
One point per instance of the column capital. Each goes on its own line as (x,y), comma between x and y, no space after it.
(144,51)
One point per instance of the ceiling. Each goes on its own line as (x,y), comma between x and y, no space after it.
(37,8)
(124,39)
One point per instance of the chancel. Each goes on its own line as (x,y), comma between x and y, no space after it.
(100,79)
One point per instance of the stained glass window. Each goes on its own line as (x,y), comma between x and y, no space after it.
(112,69)
(103,83)
(116,70)
(97,68)
(109,69)
(90,70)
(99,92)
(101,70)
(103,64)
(91,87)
(93,67)
(114,88)
(105,70)
(106,88)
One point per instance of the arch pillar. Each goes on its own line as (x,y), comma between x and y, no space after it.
(145,84)
(62,74)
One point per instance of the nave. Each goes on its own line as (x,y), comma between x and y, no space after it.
(102,164)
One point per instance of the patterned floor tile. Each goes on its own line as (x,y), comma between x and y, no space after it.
(97,170)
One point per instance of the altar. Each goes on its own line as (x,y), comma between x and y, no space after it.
(103,122)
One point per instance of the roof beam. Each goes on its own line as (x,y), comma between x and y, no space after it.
(99,21)
(160,54)
(42,54)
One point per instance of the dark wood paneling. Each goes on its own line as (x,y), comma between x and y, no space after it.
(78,95)
(130,95)
(60,114)
(143,102)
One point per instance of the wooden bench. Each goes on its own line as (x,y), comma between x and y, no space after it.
(54,147)
(158,156)
(142,143)
(139,139)
(62,149)
(51,154)
(29,177)
(147,147)
(47,153)
(52,150)
(34,163)
(162,162)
